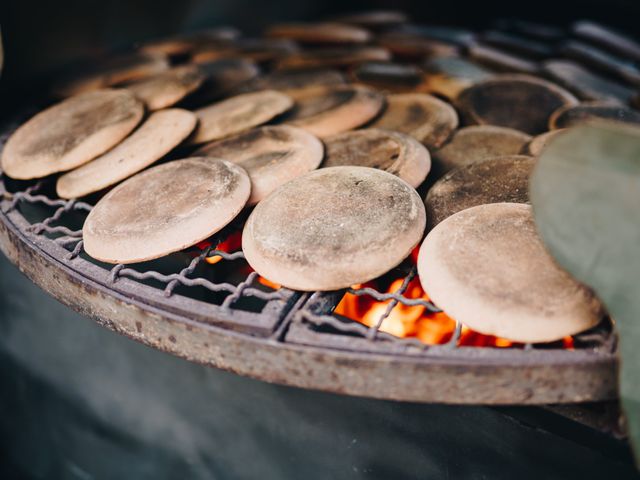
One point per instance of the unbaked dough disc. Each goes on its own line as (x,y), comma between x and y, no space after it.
(333,228)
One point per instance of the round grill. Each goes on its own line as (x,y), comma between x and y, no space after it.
(222,315)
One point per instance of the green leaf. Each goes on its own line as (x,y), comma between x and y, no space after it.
(585,193)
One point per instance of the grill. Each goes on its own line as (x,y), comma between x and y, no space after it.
(223,316)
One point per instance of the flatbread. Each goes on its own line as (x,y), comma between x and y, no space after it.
(477,143)
(566,117)
(539,142)
(71,133)
(392,152)
(271,155)
(238,114)
(425,117)
(333,228)
(327,32)
(165,209)
(487,268)
(157,136)
(586,84)
(522,102)
(391,76)
(497,180)
(110,71)
(168,88)
(334,57)
(325,111)
(447,76)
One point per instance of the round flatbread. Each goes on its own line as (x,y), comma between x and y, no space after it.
(477,143)
(168,88)
(334,57)
(284,80)
(425,117)
(501,60)
(320,33)
(325,111)
(390,151)
(185,43)
(271,155)
(157,136)
(497,180)
(165,209)
(414,47)
(395,77)
(487,268)
(585,83)
(70,133)
(259,50)
(449,75)
(333,228)
(111,71)
(517,101)
(238,114)
(222,77)
(374,18)
(566,117)
(539,142)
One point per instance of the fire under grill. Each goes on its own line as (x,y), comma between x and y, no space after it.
(206,305)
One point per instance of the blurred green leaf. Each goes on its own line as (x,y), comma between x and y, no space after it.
(585,193)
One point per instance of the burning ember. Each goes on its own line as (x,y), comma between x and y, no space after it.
(415,321)
(233,243)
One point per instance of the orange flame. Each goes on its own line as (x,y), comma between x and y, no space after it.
(230,244)
(403,321)
(269,283)
(416,322)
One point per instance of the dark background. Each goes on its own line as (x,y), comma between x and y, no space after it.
(43,35)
